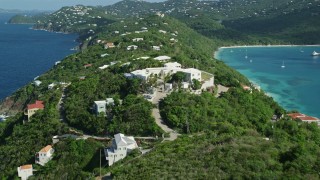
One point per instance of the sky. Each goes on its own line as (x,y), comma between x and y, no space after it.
(54,4)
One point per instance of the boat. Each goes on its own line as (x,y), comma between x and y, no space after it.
(315,53)
(283,66)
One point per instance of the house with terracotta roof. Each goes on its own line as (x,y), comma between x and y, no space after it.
(44,155)
(87,65)
(121,146)
(25,171)
(109,45)
(304,118)
(33,108)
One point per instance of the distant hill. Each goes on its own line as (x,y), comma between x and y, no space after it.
(237,21)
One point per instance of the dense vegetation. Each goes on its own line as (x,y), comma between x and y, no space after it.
(230,136)
(190,113)
(228,152)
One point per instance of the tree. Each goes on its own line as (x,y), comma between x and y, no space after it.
(195,84)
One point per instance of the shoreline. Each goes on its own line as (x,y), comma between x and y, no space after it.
(281,45)
(254,82)
(261,46)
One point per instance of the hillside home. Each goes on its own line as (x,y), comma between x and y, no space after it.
(109,45)
(101,106)
(44,155)
(104,67)
(137,39)
(121,146)
(304,118)
(156,48)
(132,47)
(37,82)
(87,65)
(25,171)
(162,31)
(170,68)
(51,86)
(162,58)
(33,108)
(172,65)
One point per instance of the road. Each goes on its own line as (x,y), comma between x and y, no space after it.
(156,114)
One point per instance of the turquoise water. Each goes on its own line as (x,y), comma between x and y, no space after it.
(26,53)
(295,87)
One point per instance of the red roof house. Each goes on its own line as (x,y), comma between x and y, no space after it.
(36,105)
(303,117)
(32,108)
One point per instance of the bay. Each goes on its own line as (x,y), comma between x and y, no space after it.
(296,86)
(27,53)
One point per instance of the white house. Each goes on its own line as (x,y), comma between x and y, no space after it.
(44,155)
(162,31)
(156,48)
(162,58)
(170,68)
(121,146)
(101,106)
(132,47)
(37,82)
(137,39)
(104,67)
(25,171)
(51,86)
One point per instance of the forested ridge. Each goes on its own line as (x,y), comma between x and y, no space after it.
(224,136)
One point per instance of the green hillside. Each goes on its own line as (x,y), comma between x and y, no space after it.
(222,136)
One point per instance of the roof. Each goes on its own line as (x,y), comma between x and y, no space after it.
(122,140)
(296,115)
(162,58)
(170,64)
(36,105)
(100,102)
(46,149)
(27,166)
(302,117)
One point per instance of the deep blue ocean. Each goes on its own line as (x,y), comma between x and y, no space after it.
(26,53)
(294,87)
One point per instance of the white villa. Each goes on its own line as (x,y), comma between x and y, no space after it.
(137,39)
(156,48)
(121,146)
(44,155)
(132,47)
(101,106)
(162,58)
(25,171)
(37,82)
(51,86)
(170,68)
